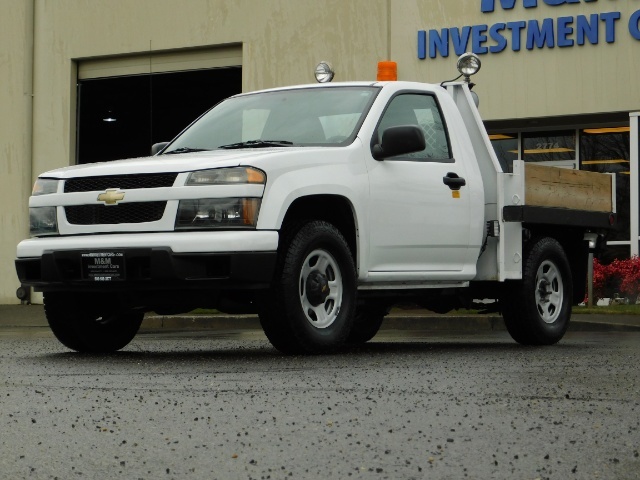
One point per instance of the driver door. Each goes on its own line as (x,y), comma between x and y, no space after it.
(419,223)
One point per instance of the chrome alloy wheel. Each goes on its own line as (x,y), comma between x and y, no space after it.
(321,288)
(549,291)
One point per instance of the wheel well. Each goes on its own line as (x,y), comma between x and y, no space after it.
(334,209)
(576,249)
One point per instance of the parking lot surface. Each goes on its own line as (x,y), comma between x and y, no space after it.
(411,404)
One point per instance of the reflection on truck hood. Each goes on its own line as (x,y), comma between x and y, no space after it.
(178,163)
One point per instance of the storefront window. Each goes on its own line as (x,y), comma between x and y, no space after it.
(506,147)
(614,252)
(550,146)
(606,150)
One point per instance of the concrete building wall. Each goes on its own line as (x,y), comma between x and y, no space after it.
(15,136)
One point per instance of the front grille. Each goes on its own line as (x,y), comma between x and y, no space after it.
(138,212)
(122,182)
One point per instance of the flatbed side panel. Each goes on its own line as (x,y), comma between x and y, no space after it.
(565,188)
(510,193)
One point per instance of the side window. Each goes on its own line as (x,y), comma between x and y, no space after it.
(420,110)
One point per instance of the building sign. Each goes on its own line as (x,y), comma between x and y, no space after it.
(562,32)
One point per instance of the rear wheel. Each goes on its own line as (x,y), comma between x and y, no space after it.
(310,306)
(537,309)
(91,323)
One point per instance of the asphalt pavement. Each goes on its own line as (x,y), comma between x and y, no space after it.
(28,315)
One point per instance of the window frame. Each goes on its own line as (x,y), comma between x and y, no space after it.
(376,136)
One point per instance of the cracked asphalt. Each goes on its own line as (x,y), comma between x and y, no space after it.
(410,404)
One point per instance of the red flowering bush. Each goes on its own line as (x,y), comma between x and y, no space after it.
(601,278)
(620,277)
(630,275)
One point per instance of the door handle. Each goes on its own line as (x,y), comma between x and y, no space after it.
(453,181)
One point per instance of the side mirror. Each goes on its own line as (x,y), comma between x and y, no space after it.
(157,147)
(398,141)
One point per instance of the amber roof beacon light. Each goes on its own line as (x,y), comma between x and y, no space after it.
(387,71)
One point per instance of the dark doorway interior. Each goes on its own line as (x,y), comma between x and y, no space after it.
(121,117)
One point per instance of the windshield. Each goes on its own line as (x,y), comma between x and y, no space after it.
(309,116)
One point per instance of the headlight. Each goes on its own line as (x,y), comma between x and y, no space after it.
(45,186)
(42,221)
(218,213)
(227,176)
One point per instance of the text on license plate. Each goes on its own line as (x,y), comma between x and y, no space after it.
(103,266)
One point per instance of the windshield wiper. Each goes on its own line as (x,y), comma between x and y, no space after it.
(257,144)
(185,150)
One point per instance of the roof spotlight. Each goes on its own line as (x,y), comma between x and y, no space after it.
(324,72)
(468,64)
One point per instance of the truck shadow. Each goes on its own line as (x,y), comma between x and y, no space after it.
(261,352)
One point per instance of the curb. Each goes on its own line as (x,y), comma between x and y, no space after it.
(470,323)
(157,323)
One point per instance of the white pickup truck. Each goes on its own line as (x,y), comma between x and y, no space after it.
(317,207)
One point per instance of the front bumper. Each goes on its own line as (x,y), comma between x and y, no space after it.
(158,262)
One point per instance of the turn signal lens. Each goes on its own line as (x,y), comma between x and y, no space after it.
(250,207)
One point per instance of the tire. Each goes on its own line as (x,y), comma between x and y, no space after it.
(537,309)
(83,326)
(311,304)
(366,323)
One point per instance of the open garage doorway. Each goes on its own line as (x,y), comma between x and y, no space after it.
(122,116)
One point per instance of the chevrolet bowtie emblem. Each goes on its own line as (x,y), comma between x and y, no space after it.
(111,197)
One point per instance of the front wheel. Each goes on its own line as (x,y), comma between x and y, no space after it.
(537,309)
(90,324)
(310,306)
(367,321)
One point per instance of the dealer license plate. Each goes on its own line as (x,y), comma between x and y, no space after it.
(103,266)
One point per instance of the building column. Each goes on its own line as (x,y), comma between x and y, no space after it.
(634,198)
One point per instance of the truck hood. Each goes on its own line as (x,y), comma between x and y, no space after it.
(184,162)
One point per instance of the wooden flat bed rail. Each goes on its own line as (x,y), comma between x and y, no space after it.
(566,188)
(560,196)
